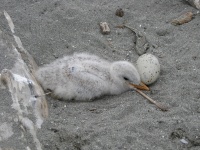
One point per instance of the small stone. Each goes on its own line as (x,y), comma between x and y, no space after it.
(184,141)
(104,28)
(119,12)
(198,110)
(162,32)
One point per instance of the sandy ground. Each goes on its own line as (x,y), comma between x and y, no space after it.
(51,29)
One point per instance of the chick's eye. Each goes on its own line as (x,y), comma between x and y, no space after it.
(125,78)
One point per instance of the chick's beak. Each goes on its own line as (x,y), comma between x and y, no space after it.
(141,86)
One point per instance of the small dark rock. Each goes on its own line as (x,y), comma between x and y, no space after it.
(195,142)
(119,12)
(162,32)
(160,121)
(54,130)
(198,110)
(194,57)
(178,133)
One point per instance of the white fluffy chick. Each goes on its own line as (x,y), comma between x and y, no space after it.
(84,76)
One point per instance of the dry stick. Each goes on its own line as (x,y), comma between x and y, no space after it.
(48,93)
(163,108)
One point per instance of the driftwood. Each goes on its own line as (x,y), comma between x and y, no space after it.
(194,3)
(27,95)
(184,18)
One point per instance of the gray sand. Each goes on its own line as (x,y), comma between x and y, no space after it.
(51,29)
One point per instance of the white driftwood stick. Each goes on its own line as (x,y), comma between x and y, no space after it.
(23,84)
(194,3)
(24,88)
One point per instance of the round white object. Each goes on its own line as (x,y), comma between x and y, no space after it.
(149,68)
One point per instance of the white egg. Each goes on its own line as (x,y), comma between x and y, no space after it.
(149,68)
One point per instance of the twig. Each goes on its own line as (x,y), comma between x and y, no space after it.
(48,93)
(159,105)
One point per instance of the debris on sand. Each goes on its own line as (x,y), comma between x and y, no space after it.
(104,28)
(119,12)
(194,3)
(185,18)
